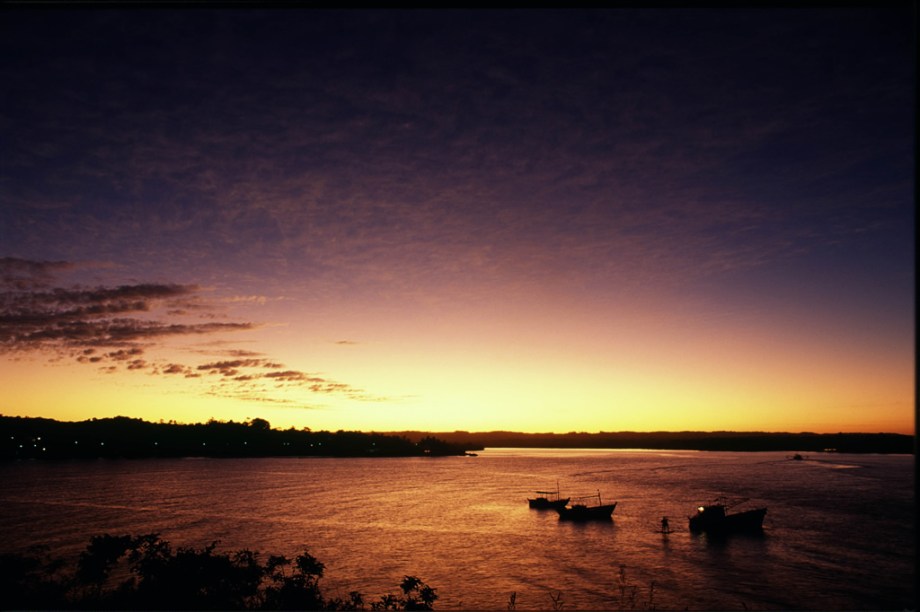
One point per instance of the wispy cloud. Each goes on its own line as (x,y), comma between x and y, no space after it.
(230,368)
(23,275)
(34,316)
(115,327)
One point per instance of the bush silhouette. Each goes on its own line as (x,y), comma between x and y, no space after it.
(145,573)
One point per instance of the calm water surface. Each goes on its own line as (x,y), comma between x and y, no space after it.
(839,533)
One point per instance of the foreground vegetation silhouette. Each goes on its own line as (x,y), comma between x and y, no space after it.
(144,573)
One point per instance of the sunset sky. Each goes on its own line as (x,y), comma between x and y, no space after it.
(545,220)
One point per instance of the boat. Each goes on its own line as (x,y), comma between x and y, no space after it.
(584,512)
(546,500)
(714,518)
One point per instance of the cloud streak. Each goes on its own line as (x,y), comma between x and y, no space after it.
(65,319)
(114,327)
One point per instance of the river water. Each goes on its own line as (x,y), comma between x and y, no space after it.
(839,532)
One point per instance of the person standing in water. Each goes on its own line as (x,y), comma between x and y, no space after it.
(665,528)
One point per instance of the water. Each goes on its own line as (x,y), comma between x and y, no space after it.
(839,533)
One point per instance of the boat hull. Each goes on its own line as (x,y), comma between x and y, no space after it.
(712,520)
(541,503)
(587,513)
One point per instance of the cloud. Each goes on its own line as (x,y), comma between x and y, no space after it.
(65,319)
(22,274)
(231,368)
(124,354)
(243,353)
(316,384)
(215,348)
(176,368)
(329,387)
(252,299)
(114,327)
(292,376)
(93,324)
(250,371)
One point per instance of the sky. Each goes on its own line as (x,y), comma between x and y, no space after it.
(624,219)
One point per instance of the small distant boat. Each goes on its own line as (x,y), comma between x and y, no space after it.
(584,512)
(797,457)
(547,500)
(713,518)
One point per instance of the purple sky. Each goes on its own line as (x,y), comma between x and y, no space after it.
(750,166)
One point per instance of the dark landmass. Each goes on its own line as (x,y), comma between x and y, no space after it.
(32,438)
(38,438)
(683,440)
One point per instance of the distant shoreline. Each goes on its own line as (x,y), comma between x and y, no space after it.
(123,437)
(883,443)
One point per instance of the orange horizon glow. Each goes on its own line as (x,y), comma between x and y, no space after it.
(563,382)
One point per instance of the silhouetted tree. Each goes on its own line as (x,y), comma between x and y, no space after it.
(416,596)
(260,424)
(154,577)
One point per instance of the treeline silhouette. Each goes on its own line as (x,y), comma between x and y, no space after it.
(145,573)
(32,437)
(682,440)
(40,438)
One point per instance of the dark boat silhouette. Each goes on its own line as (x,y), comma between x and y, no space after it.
(714,518)
(546,500)
(584,512)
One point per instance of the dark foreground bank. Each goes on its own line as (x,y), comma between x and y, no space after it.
(145,573)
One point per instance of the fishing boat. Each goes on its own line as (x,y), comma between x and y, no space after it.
(546,500)
(583,512)
(714,518)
